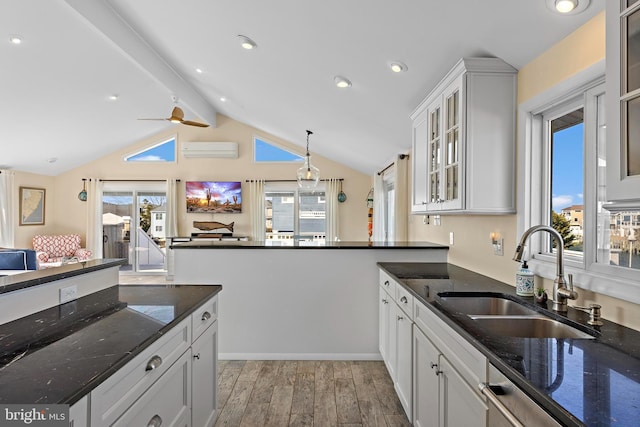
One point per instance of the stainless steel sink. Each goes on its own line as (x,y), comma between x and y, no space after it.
(506,317)
(538,326)
(486,305)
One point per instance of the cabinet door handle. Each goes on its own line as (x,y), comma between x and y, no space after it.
(385,301)
(154,363)
(435,365)
(400,318)
(206,316)
(486,390)
(404,300)
(386,283)
(196,356)
(155,421)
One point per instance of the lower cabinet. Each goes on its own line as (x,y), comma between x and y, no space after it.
(426,382)
(455,395)
(404,369)
(173,382)
(205,372)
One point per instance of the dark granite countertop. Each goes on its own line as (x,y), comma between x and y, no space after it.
(50,274)
(303,244)
(60,354)
(593,382)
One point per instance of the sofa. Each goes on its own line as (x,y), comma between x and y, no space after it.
(13,261)
(59,249)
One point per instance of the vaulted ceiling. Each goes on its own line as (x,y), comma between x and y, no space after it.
(75,54)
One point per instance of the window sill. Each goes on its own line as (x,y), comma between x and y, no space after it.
(602,282)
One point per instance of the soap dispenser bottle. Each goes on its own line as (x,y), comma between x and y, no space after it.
(524,281)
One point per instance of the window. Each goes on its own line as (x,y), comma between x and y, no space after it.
(158,228)
(294,213)
(562,177)
(268,152)
(159,216)
(164,151)
(389,207)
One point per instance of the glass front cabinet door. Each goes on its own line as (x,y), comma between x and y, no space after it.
(464,141)
(623,100)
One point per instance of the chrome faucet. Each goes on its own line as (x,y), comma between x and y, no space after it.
(560,292)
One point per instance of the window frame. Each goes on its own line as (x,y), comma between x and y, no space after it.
(300,160)
(174,138)
(533,180)
(272,187)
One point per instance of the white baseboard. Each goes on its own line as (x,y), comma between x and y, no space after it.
(299,356)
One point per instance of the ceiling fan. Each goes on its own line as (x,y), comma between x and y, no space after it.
(177,116)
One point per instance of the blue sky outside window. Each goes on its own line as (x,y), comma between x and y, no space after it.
(266,152)
(162,152)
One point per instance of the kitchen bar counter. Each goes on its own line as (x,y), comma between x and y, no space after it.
(51,274)
(302,244)
(581,382)
(60,354)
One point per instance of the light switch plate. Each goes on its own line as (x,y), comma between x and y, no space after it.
(451,238)
(68,294)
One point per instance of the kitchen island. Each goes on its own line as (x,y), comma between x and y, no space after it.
(296,302)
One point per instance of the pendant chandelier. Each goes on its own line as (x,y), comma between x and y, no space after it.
(308,175)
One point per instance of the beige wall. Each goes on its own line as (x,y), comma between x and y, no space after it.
(65,213)
(472,247)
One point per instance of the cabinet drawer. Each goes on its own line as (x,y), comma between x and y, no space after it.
(204,317)
(404,300)
(167,402)
(112,398)
(466,359)
(388,284)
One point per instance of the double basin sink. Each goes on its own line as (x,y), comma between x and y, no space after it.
(499,315)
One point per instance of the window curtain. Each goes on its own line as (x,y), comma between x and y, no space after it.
(379,225)
(331,205)
(171,204)
(401,199)
(94,217)
(257,209)
(7,209)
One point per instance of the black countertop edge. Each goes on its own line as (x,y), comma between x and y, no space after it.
(209,244)
(39,277)
(96,381)
(413,276)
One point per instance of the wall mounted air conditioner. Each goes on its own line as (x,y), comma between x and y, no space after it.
(227,150)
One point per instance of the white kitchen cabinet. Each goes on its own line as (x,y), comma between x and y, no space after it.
(404,367)
(395,332)
(79,413)
(459,404)
(384,316)
(464,141)
(623,100)
(167,402)
(204,378)
(426,383)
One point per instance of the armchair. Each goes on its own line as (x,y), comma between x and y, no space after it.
(60,248)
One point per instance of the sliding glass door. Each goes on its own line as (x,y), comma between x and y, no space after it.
(133,224)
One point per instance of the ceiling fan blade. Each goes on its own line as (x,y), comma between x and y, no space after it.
(177,113)
(190,123)
(153,119)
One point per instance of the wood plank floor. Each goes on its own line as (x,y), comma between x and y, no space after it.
(307,393)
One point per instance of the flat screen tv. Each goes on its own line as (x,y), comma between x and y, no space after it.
(214,196)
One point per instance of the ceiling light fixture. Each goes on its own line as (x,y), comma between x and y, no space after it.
(198,70)
(223,99)
(398,67)
(308,175)
(15,39)
(567,7)
(246,42)
(113,97)
(342,82)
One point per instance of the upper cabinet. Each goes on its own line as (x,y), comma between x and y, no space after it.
(464,141)
(623,99)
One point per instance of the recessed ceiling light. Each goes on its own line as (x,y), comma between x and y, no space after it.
(342,82)
(223,99)
(199,70)
(52,159)
(113,97)
(567,7)
(398,67)
(15,39)
(246,42)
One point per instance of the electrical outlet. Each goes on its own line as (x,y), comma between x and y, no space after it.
(68,294)
(451,238)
